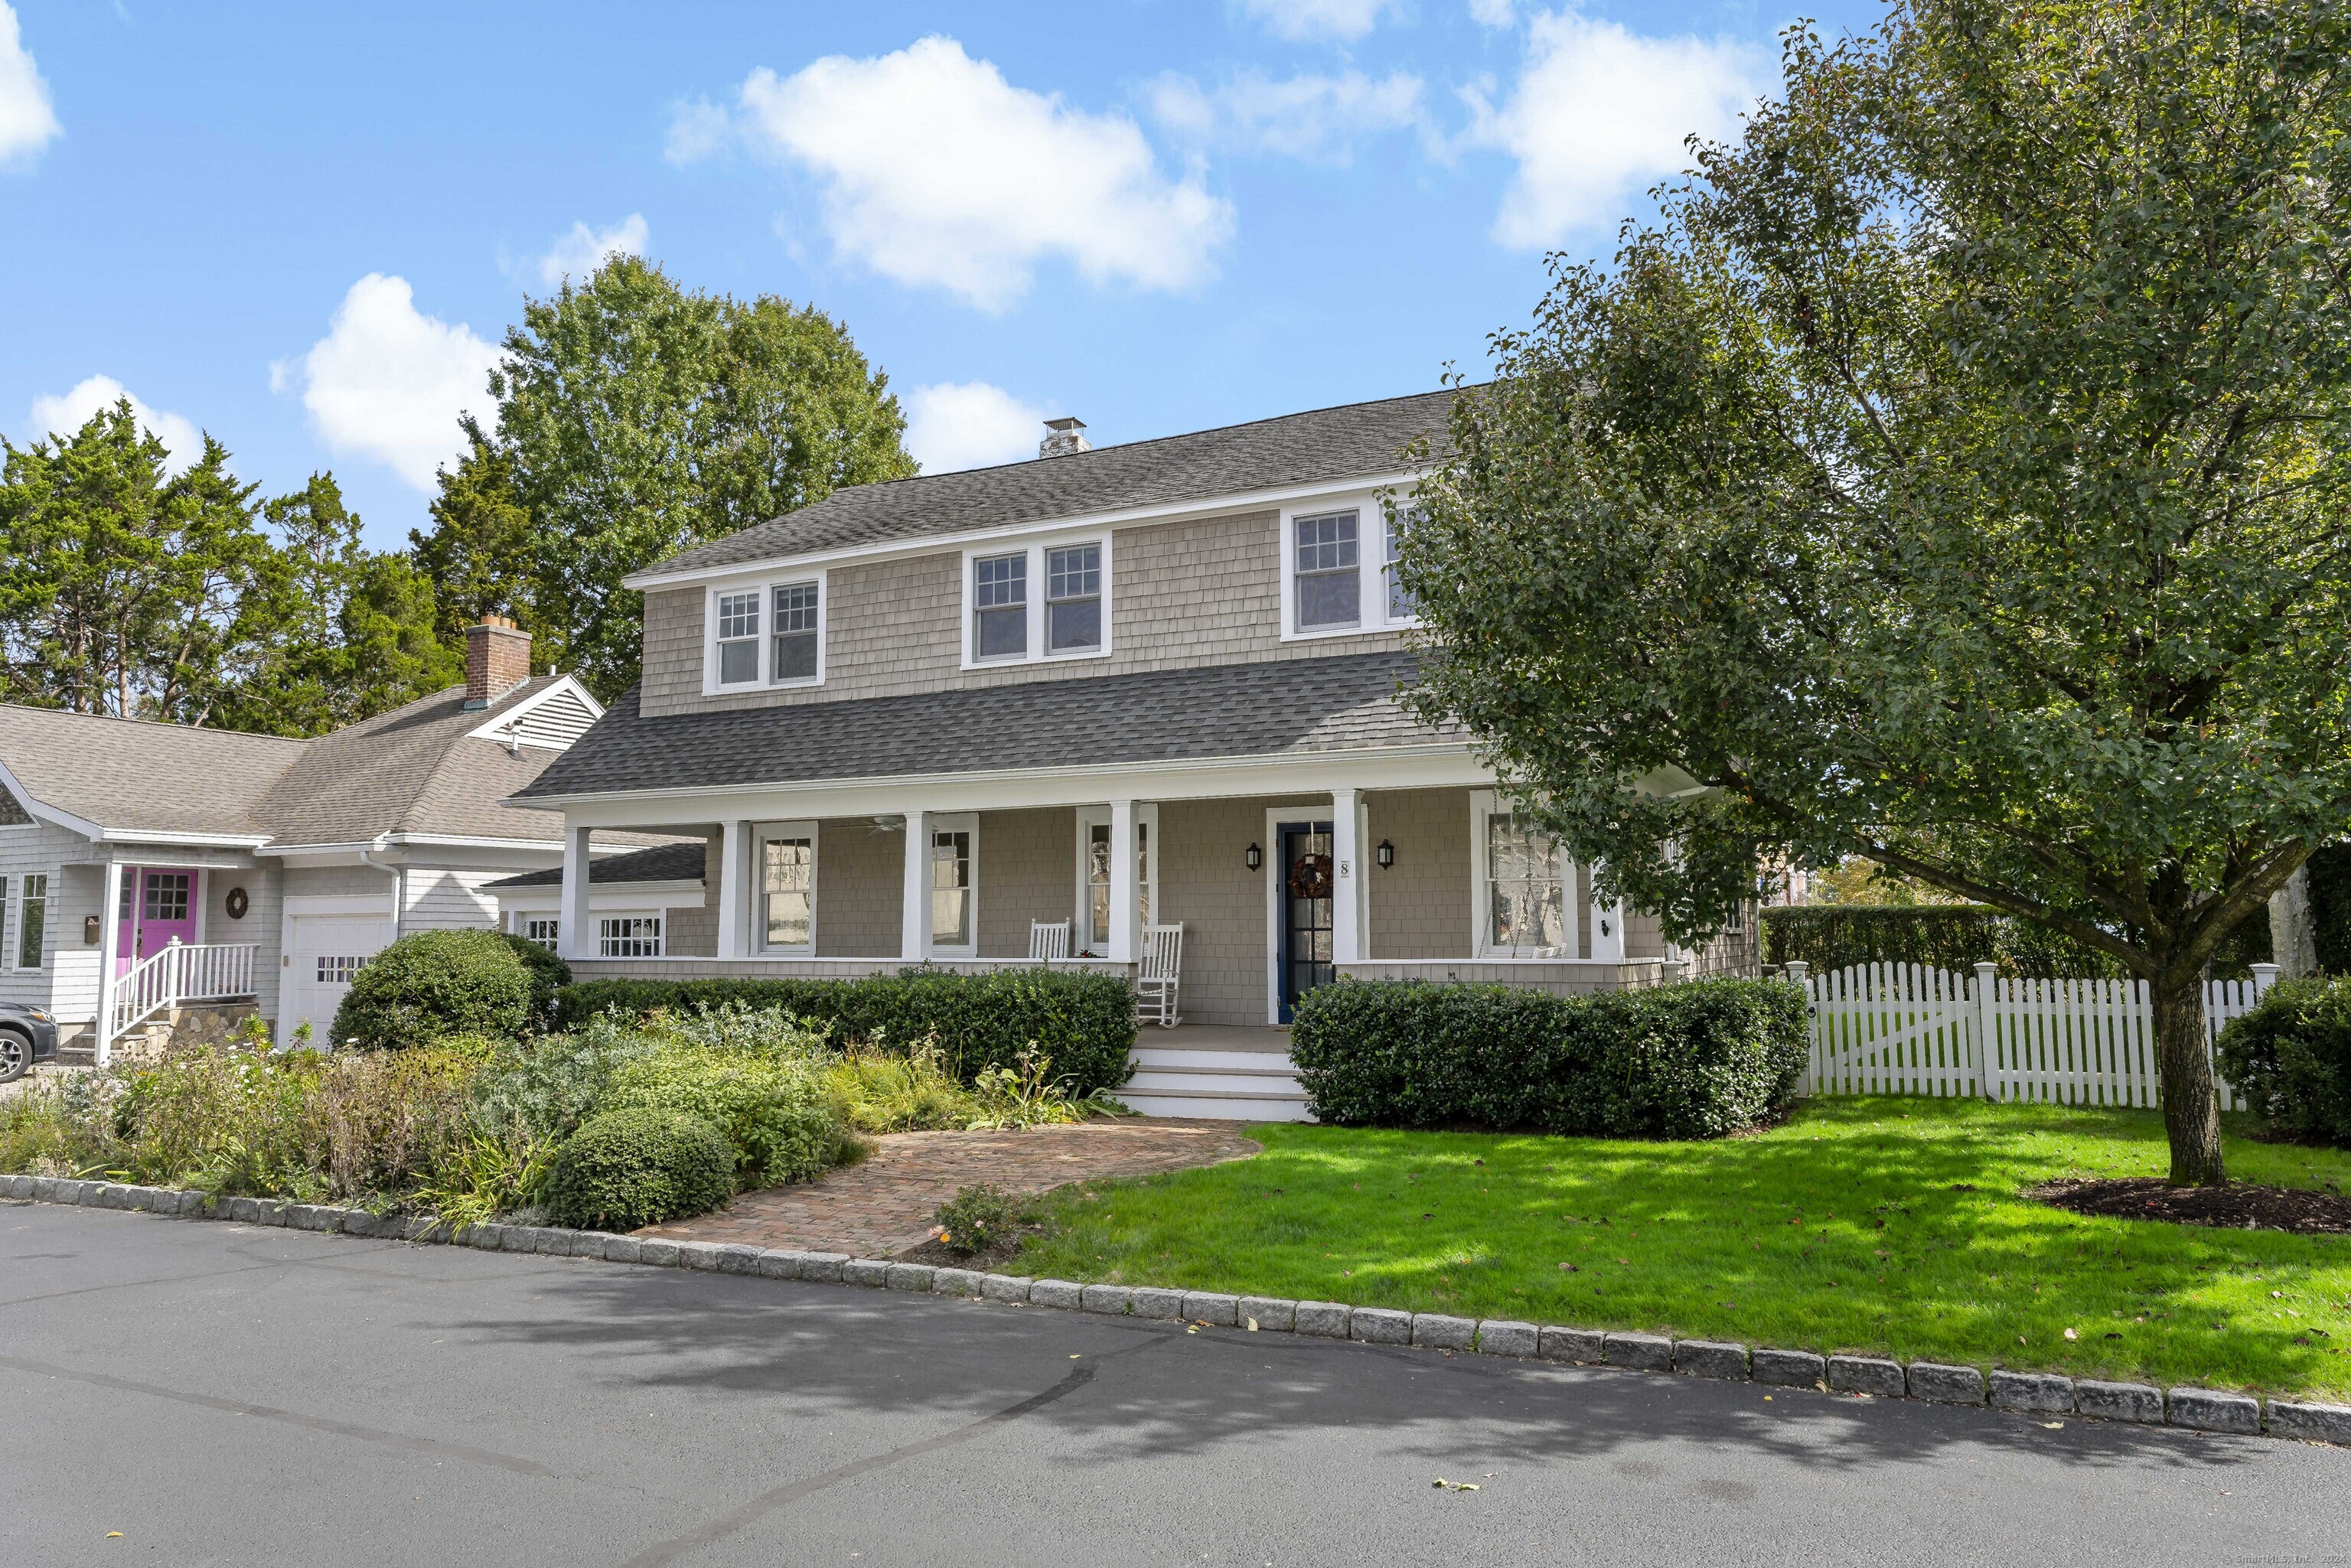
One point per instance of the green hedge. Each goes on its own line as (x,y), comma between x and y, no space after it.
(1959,937)
(2290,1058)
(640,1166)
(433,983)
(2330,908)
(1693,1060)
(1085,1021)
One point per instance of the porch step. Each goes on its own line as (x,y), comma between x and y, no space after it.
(1219,1058)
(1275,1079)
(1222,1105)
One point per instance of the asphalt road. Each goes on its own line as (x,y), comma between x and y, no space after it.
(226,1394)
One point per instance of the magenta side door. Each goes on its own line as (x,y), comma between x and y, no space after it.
(158,903)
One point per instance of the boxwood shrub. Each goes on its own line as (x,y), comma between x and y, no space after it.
(2290,1058)
(1085,1021)
(1692,1061)
(433,983)
(639,1167)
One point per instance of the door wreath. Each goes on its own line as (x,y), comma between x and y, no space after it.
(1310,877)
(236,903)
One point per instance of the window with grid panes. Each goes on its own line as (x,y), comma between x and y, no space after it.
(796,632)
(739,638)
(1327,581)
(999,606)
(1073,599)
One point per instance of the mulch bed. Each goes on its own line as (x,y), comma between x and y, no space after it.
(987,1260)
(2238,1206)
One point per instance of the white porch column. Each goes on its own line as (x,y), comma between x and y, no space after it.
(1346,877)
(109,942)
(1607,930)
(1125,939)
(734,890)
(575,934)
(915,935)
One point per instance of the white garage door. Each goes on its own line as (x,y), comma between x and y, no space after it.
(323,952)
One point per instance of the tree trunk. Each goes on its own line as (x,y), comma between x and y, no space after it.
(2191,1107)
(2294,936)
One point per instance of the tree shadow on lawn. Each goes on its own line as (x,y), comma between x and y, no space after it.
(1882,1226)
(1161,1392)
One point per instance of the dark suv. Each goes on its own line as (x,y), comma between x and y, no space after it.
(27,1035)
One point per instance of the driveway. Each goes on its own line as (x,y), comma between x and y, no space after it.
(221,1395)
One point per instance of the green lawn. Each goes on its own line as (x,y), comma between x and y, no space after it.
(1880,1225)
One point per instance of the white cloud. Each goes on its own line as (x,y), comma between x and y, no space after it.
(938,172)
(1599,113)
(969,424)
(27,122)
(1319,19)
(1493,13)
(696,131)
(583,250)
(63,415)
(388,381)
(1305,117)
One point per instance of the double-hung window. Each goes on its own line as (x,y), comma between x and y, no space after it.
(954,845)
(787,888)
(739,638)
(1073,599)
(999,606)
(1401,605)
(32,917)
(796,631)
(1329,587)
(1526,899)
(1093,873)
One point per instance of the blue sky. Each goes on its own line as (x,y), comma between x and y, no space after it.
(303,228)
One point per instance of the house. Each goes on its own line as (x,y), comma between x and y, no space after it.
(158,874)
(931,720)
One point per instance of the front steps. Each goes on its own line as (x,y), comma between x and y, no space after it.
(1221,1075)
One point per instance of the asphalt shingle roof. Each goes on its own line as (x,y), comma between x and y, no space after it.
(1278,707)
(139,777)
(681,862)
(1358,441)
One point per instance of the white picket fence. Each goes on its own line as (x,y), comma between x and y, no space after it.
(1904,1028)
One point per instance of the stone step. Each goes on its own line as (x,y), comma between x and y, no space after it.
(1215,1080)
(1181,1056)
(1220,1106)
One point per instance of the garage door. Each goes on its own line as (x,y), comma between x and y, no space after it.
(323,952)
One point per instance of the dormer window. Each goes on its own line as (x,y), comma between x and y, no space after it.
(1329,573)
(1339,574)
(766,634)
(1046,601)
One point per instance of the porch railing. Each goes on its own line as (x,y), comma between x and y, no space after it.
(182,972)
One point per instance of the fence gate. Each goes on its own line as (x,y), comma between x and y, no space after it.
(1904,1028)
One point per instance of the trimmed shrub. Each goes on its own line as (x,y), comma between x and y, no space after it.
(2290,1058)
(1692,1061)
(629,1168)
(436,983)
(785,1123)
(1958,936)
(1083,1021)
(980,1217)
(548,976)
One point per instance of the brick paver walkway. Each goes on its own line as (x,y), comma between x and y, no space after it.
(881,1207)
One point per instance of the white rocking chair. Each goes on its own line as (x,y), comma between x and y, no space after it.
(1048,940)
(1157,975)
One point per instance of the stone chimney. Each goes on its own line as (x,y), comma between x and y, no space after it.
(498,659)
(1063,436)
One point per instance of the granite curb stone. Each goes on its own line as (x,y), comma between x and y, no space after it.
(1710,1358)
(1946,1384)
(2045,1393)
(1325,1319)
(1061,1294)
(657,1251)
(1378,1325)
(1507,1336)
(1268,1312)
(1789,1368)
(954,1281)
(1005,1287)
(1435,1331)
(1642,1352)
(2310,1421)
(779,1263)
(1212,1307)
(1869,1375)
(1588,1346)
(739,1260)
(2210,1410)
(910,1277)
(824,1266)
(1112,1300)
(624,1249)
(865,1271)
(1158,1305)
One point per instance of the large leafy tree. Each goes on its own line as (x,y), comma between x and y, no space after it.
(479,555)
(1955,477)
(637,419)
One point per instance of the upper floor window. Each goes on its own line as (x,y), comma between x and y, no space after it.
(1339,572)
(766,634)
(1046,601)
(1400,602)
(1329,587)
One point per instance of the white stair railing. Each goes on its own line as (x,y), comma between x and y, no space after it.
(182,972)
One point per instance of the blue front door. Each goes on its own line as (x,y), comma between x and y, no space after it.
(1305,867)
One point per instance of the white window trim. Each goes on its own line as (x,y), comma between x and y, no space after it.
(1371,574)
(1035,551)
(765,587)
(1146,818)
(21,889)
(7,893)
(954,822)
(756,917)
(1485,804)
(660,917)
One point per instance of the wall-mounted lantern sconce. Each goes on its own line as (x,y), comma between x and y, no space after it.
(1387,854)
(89,930)
(1253,857)
(1604,926)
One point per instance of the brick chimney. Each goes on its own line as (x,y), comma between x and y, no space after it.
(498,659)
(1062,437)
